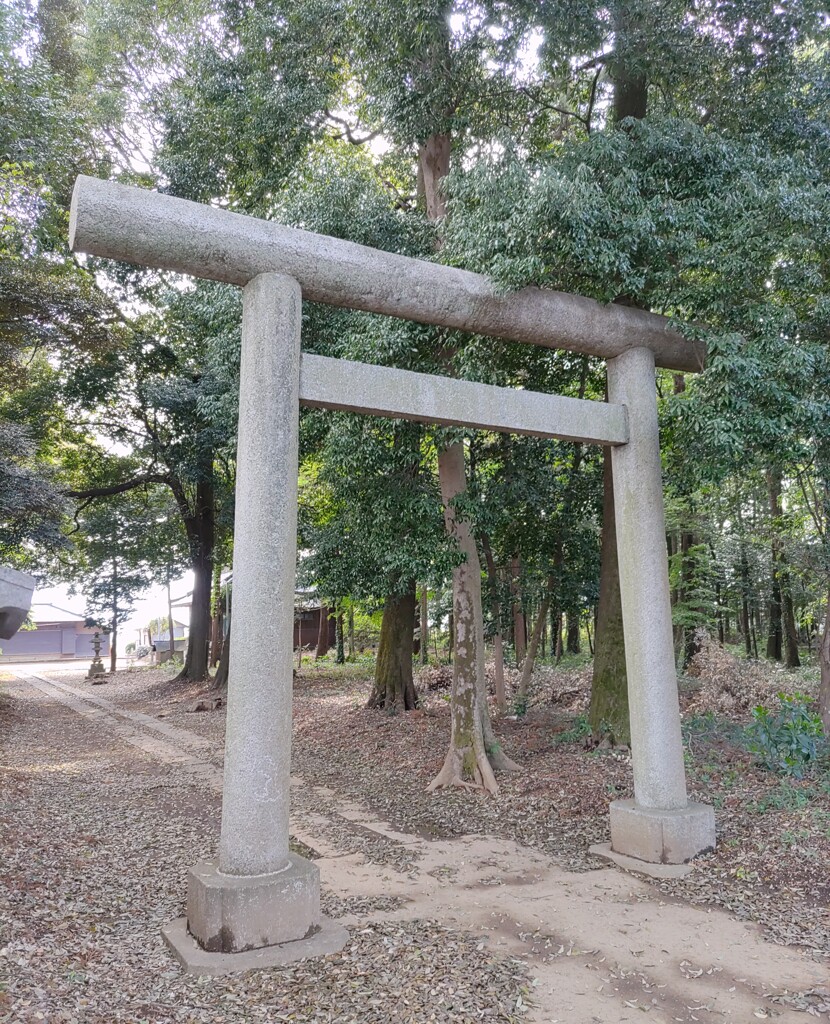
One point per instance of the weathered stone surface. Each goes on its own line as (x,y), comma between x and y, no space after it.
(662,836)
(330,937)
(656,743)
(384,391)
(231,913)
(255,802)
(16,589)
(143,227)
(642,867)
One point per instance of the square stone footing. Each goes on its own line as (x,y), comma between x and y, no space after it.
(330,937)
(235,913)
(661,837)
(642,867)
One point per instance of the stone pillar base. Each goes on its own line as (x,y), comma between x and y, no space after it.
(661,837)
(330,937)
(235,913)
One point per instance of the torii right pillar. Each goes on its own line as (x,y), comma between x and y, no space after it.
(659,825)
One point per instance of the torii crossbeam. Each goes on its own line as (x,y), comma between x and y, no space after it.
(259,904)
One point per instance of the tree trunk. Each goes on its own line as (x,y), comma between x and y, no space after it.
(114,635)
(824,663)
(791,658)
(530,660)
(424,626)
(196,659)
(775,630)
(519,625)
(498,645)
(394,688)
(630,87)
(472,742)
(171,633)
(221,680)
(688,572)
(216,616)
(323,634)
(201,533)
(745,601)
(719,585)
(573,644)
(467,762)
(340,656)
(351,633)
(608,712)
(775,633)
(756,629)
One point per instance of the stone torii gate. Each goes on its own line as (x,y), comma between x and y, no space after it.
(258,905)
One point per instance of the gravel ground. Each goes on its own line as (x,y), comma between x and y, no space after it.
(97,838)
(80,935)
(772,865)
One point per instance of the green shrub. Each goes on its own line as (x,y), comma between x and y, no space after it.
(789,740)
(580,728)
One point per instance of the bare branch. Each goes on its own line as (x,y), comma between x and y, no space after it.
(127,485)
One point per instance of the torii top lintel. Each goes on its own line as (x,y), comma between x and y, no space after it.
(150,229)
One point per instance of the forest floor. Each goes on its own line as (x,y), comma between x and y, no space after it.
(461,907)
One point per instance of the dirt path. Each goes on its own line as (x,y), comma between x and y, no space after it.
(113,802)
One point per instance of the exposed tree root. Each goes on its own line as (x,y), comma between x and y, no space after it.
(453,771)
(500,761)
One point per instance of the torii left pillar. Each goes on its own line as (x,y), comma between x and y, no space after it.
(259,904)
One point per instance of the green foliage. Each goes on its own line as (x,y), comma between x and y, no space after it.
(578,730)
(789,740)
(790,796)
(31,507)
(691,575)
(712,209)
(250,100)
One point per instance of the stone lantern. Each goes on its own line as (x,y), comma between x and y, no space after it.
(97,673)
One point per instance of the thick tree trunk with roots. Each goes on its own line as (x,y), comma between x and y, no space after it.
(608,712)
(474,751)
(467,762)
(394,687)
